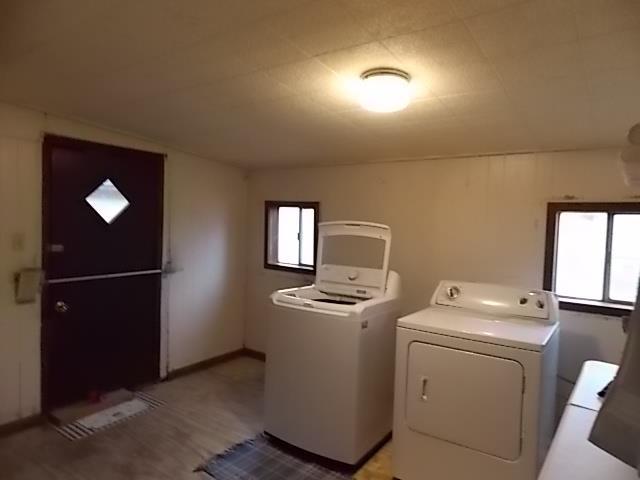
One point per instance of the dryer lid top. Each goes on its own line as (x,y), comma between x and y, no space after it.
(498,314)
(353,258)
(504,331)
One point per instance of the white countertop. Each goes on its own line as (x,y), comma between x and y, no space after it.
(572,456)
(594,376)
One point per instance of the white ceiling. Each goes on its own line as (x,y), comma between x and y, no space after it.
(268,82)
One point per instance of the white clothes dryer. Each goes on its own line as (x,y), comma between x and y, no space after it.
(475,384)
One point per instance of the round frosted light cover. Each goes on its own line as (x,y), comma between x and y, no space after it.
(384,92)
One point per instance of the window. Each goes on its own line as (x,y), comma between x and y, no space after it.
(107,201)
(291,233)
(593,256)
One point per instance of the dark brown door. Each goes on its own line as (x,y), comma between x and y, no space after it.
(102,256)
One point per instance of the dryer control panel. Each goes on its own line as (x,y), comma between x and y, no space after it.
(493,299)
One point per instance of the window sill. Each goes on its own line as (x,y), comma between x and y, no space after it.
(286,267)
(591,306)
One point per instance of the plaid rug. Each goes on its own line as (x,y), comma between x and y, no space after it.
(264,459)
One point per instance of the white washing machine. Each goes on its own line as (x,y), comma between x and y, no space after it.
(475,384)
(330,348)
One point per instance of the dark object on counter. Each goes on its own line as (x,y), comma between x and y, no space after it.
(603,393)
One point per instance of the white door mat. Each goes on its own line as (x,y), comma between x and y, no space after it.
(86,426)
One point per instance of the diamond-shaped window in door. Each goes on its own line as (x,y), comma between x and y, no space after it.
(107,201)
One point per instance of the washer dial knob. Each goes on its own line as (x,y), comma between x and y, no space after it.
(453,292)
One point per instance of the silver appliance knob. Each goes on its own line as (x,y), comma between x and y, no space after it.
(453,292)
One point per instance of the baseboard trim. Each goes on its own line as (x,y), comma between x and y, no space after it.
(248,352)
(203,365)
(225,357)
(21,424)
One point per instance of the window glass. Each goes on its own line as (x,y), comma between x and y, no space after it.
(625,257)
(107,201)
(581,254)
(307,234)
(288,235)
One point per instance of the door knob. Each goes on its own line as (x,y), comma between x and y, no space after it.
(61,307)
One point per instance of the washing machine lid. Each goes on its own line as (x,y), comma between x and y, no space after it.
(505,331)
(309,298)
(353,258)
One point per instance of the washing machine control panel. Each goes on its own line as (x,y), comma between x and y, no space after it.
(498,299)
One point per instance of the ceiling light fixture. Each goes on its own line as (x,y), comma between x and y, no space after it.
(385,90)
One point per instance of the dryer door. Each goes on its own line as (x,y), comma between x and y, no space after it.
(466,398)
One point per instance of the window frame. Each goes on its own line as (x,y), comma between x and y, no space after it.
(271,206)
(554,209)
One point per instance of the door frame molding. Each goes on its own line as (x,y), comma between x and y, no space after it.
(49,143)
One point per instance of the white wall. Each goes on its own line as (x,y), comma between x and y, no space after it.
(205,218)
(476,219)
(471,219)
(207,294)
